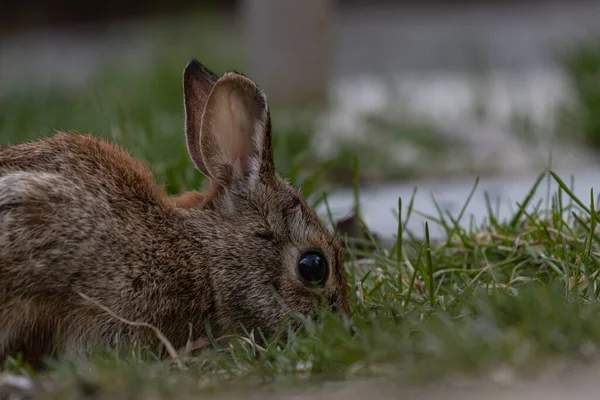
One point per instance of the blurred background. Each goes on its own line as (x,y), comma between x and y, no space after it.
(401,91)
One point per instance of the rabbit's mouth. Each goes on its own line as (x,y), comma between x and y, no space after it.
(334,307)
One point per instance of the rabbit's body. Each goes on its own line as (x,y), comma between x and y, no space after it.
(80,219)
(59,217)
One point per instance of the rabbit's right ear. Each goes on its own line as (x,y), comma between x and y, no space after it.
(198,82)
(236,133)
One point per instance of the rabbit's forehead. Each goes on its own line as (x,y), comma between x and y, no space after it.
(289,212)
(305,229)
(305,225)
(291,219)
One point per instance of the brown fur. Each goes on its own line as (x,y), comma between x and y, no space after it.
(190,199)
(79,215)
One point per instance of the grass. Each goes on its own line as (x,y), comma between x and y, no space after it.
(512,292)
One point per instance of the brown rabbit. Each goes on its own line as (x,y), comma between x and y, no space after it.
(81,216)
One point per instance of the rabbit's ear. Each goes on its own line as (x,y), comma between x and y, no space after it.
(236,133)
(198,81)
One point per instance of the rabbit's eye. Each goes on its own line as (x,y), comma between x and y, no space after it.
(312,267)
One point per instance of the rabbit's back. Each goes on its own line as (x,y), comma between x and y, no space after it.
(68,197)
(67,202)
(90,162)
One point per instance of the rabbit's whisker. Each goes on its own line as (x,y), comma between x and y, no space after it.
(170,349)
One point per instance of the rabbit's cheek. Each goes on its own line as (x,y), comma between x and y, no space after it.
(298,297)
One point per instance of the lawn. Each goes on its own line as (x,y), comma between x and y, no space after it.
(509,293)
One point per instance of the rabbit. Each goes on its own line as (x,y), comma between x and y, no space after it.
(85,229)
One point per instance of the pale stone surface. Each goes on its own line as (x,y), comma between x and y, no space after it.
(566,381)
(378,203)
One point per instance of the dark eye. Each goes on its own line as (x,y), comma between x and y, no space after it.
(312,267)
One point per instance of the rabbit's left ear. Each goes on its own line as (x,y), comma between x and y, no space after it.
(198,81)
(236,133)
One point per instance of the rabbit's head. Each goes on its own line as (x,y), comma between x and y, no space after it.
(268,251)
